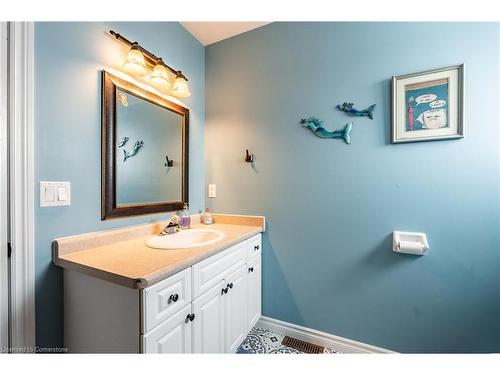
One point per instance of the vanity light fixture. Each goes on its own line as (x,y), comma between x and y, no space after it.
(140,62)
(161,77)
(135,63)
(180,88)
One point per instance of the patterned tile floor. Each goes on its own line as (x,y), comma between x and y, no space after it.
(260,340)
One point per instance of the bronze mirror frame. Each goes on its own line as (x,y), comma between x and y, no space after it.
(109,209)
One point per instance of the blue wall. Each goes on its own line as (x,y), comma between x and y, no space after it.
(331,207)
(68,57)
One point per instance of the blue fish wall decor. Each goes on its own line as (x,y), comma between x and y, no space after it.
(316,126)
(349,109)
(137,146)
(123,141)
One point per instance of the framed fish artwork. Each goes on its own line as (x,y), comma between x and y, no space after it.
(428,106)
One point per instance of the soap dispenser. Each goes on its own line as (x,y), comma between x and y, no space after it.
(185,221)
(207,217)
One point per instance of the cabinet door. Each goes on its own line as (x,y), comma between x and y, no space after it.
(236,327)
(253,291)
(171,336)
(208,326)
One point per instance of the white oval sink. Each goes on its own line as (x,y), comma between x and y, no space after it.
(185,239)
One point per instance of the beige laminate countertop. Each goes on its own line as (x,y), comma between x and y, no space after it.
(132,264)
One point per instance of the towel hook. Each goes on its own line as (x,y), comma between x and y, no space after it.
(249,158)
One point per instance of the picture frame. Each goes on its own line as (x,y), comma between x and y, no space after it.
(427,106)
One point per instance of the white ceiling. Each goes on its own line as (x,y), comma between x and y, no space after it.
(211,32)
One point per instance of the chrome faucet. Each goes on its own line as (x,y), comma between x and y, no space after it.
(172,227)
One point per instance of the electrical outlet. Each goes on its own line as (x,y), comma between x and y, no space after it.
(212,191)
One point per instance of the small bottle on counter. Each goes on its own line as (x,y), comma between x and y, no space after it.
(207,217)
(185,221)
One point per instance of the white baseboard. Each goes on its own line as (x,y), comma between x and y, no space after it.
(327,340)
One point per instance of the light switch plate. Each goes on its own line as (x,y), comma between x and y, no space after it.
(55,193)
(212,191)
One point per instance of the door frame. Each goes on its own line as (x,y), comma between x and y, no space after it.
(4,204)
(22,186)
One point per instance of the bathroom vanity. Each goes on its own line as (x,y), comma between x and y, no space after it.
(122,296)
(130,290)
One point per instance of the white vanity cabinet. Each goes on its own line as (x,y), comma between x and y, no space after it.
(219,317)
(207,308)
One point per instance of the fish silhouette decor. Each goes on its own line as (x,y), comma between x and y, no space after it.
(316,126)
(123,141)
(128,154)
(350,110)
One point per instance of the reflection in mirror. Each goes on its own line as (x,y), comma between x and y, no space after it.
(147,135)
(145,151)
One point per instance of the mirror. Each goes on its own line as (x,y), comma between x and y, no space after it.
(145,151)
(149,159)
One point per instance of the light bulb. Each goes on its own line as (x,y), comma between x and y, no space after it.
(161,77)
(135,62)
(180,87)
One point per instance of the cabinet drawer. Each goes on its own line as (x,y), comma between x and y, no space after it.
(211,271)
(160,301)
(171,336)
(254,246)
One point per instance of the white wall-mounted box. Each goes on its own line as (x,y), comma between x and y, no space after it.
(414,243)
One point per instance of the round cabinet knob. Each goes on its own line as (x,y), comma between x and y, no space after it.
(250,269)
(174,297)
(230,286)
(256,247)
(224,290)
(191,317)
